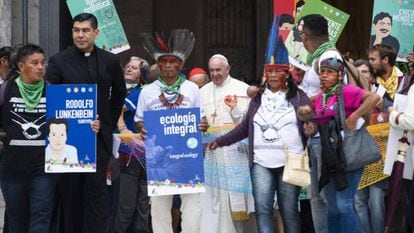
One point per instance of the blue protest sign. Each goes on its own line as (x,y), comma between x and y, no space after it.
(71,143)
(174,155)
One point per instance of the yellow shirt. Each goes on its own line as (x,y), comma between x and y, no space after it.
(391,84)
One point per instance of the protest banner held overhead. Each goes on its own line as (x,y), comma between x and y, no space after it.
(112,36)
(71,143)
(173,148)
(337,20)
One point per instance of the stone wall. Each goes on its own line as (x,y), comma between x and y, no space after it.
(33,22)
(5,22)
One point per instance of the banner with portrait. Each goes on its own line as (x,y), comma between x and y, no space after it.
(337,20)
(288,11)
(71,143)
(393,24)
(174,155)
(112,36)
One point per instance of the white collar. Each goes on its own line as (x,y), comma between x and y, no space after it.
(225,82)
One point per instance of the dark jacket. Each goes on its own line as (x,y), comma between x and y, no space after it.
(69,67)
(245,128)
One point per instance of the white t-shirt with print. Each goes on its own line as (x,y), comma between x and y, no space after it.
(149,98)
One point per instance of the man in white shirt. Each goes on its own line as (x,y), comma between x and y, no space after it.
(172,90)
(227,202)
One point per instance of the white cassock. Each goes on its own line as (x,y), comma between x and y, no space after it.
(228,198)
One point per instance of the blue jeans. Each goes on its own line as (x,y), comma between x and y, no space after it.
(370,207)
(341,212)
(318,200)
(265,182)
(29,200)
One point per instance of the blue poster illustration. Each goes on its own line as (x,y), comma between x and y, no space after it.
(174,155)
(70,142)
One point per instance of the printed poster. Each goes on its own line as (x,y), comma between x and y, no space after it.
(230,172)
(288,11)
(337,20)
(393,24)
(112,36)
(174,155)
(71,143)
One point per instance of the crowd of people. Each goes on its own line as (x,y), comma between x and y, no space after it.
(262,125)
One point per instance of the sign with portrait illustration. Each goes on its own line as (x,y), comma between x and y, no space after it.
(112,36)
(70,142)
(287,11)
(337,20)
(174,155)
(393,24)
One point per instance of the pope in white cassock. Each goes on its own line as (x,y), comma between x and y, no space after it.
(228,200)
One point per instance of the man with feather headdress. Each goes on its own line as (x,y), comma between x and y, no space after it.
(171,91)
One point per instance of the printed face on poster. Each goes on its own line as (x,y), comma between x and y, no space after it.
(71,143)
(336,18)
(112,36)
(174,156)
(393,24)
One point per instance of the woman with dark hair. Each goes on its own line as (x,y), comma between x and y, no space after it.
(272,125)
(27,190)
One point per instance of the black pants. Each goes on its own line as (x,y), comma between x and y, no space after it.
(83,198)
(132,212)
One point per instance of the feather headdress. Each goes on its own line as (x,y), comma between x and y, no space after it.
(180,44)
(277,56)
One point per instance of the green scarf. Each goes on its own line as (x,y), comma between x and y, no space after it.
(175,88)
(330,93)
(322,48)
(31,93)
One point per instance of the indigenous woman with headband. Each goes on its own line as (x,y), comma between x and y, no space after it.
(271,124)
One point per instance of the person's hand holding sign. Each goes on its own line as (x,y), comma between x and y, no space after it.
(96,124)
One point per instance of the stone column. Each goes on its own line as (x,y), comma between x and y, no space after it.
(49,33)
(33,21)
(5,22)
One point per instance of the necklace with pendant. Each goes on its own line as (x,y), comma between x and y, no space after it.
(269,130)
(166,103)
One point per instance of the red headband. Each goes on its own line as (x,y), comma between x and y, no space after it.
(277,67)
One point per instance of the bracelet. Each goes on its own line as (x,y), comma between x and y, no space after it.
(122,127)
(397,118)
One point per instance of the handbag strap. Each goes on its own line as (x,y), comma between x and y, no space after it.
(341,108)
